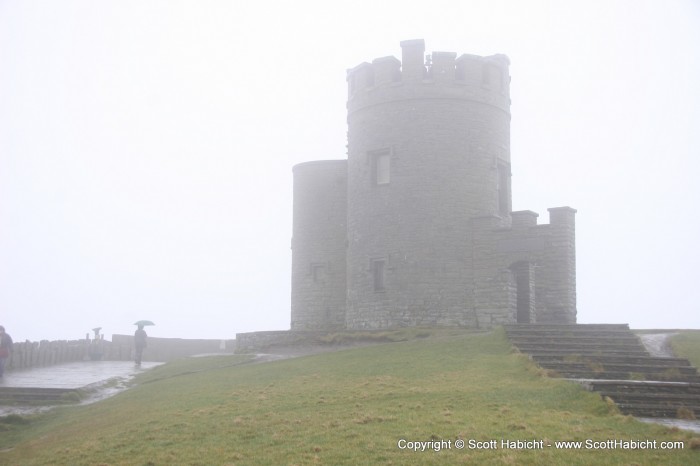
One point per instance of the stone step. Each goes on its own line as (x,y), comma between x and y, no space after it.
(614,362)
(644,409)
(589,348)
(650,399)
(681,399)
(641,386)
(609,375)
(566,341)
(583,338)
(568,332)
(667,372)
(35,395)
(588,352)
(564,327)
(610,335)
(577,340)
(598,332)
(627,358)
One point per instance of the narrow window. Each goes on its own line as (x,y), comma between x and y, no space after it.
(318,273)
(381,168)
(378,274)
(460,73)
(503,188)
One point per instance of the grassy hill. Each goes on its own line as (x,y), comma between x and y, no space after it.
(354,407)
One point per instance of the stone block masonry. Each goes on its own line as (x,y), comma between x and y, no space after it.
(415,228)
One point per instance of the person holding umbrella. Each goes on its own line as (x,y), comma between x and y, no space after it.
(140,338)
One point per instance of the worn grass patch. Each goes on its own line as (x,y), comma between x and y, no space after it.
(348,407)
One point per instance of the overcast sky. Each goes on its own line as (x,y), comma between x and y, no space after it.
(146,149)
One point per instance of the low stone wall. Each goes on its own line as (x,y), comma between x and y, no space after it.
(167,349)
(28,354)
(254,342)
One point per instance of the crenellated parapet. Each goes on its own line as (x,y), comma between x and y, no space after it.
(439,74)
(540,257)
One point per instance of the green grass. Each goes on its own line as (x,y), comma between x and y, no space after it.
(347,407)
(687,345)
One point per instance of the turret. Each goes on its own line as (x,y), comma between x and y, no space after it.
(428,148)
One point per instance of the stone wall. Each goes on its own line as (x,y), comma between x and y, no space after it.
(168,349)
(27,355)
(254,342)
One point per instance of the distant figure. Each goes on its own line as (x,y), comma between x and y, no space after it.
(140,343)
(5,348)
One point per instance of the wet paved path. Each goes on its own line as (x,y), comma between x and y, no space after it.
(657,344)
(72,375)
(92,374)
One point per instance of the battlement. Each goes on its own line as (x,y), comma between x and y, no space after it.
(559,217)
(473,75)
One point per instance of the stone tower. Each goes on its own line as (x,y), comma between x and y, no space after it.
(318,244)
(416,227)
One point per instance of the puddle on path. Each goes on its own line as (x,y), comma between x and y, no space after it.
(657,344)
(680,423)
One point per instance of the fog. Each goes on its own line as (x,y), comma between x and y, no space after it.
(146,149)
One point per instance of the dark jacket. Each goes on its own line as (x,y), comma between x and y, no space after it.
(140,338)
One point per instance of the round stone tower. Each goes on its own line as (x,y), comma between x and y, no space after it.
(428,150)
(318,245)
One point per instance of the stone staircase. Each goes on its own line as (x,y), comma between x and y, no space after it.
(612,361)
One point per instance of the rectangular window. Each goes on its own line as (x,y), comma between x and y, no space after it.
(383,164)
(504,188)
(318,273)
(378,274)
(381,167)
